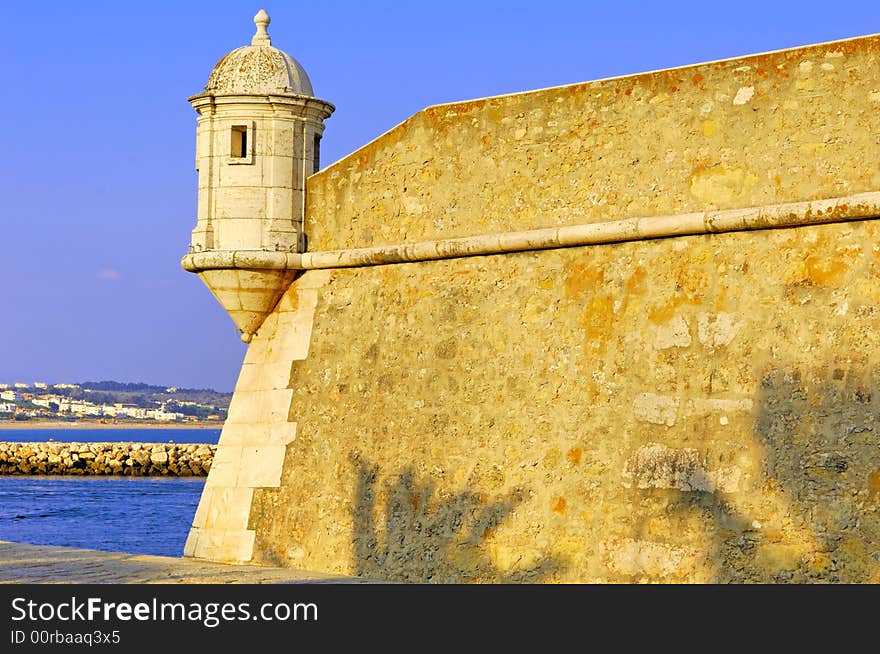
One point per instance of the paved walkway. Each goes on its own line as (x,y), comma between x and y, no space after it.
(44,564)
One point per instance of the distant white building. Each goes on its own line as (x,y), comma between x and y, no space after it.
(41,401)
(78,407)
(162,414)
(9,396)
(127,410)
(7,408)
(41,385)
(85,408)
(4,386)
(21,385)
(70,386)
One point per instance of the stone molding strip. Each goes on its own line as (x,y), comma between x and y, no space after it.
(860,206)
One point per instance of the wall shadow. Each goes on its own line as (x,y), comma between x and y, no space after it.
(428,540)
(810,512)
(818,478)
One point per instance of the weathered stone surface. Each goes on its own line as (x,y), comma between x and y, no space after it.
(414,459)
(632,558)
(744,132)
(656,409)
(657,466)
(675,333)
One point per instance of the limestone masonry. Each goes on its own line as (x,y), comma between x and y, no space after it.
(129,459)
(663,367)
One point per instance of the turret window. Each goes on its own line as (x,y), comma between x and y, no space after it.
(316,153)
(239,141)
(241,144)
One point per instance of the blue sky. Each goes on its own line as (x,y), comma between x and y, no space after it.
(97,184)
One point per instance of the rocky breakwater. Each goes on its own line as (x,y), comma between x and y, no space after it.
(130,459)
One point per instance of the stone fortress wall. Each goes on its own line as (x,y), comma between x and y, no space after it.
(798,124)
(690,409)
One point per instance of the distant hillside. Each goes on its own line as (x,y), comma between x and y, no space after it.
(116,400)
(199,402)
(140,387)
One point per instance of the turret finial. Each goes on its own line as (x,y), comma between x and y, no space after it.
(262,21)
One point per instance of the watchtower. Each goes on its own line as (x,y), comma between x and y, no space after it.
(258,138)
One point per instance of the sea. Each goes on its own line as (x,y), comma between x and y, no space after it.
(139,515)
(109,435)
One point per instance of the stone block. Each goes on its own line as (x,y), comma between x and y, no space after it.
(278,173)
(261,466)
(282,433)
(242,176)
(229,508)
(275,376)
(225,467)
(294,337)
(656,409)
(250,378)
(239,232)
(230,546)
(246,202)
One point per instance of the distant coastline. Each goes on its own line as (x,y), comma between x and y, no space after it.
(88,424)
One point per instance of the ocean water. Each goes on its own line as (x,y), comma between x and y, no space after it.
(140,515)
(110,435)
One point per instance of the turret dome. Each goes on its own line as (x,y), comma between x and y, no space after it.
(259,69)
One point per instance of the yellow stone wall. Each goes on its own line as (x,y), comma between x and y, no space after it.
(692,409)
(799,124)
